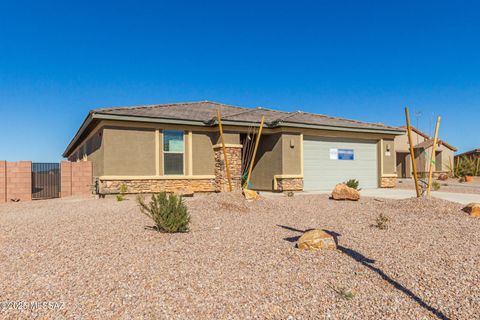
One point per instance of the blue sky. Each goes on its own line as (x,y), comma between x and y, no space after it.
(364,60)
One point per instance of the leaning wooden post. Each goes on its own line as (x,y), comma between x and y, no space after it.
(430,170)
(224,151)
(254,153)
(412,154)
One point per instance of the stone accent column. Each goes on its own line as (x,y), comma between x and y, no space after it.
(289,184)
(388,182)
(234,155)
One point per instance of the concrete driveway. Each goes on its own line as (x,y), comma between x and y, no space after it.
(463,198)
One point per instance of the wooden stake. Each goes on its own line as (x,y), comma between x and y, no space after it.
(430,171)
(254,152)
(227,168)
(412,154)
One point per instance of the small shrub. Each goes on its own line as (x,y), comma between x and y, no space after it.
(123,190)
(382,222)
(435,186)
(169,213)
(345,293)
(353,183)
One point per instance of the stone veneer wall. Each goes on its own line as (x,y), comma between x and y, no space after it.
(289,184)
(388,182)
(234,154)
(158,185)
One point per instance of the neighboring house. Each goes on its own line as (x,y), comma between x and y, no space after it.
(475,153)
(177,146)
(422,145)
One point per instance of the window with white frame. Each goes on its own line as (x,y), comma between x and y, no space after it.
(173,152)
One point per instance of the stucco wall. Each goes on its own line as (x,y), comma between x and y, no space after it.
(94,150)
(268,162)
(202,153)
(291,154)
(129,151)
(388,154)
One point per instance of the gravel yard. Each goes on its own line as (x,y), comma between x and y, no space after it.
(99,260)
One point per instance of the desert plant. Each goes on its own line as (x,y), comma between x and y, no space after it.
(382,222)
(435,185)
(169,213)
(121,195)
(353,183)
(467,166)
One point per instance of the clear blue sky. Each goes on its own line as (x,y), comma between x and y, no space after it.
(364,60)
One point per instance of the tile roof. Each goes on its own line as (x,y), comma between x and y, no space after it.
(205,111)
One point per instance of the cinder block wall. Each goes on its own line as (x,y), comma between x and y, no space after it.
(3,181)
(76,178)
(15,181)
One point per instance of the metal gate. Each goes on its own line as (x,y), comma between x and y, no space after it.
(45,180)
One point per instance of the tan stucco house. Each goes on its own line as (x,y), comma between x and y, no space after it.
(422,145)
(168,147)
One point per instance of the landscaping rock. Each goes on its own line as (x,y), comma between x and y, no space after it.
(344,192)
(473,209)
(250,194)
(443,177)
(316,239)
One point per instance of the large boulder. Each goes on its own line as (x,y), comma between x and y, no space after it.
(316,239)
(344,192)
(473,209)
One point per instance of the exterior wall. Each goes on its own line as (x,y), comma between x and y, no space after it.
(268,162)
(76,178)
(187,185)
(234,155)
(3,181)
(291,153)
(388,155)
(95,152)
(129,151)
(229,137)
(18,181)
(421,162)
(203,156)
(289,184)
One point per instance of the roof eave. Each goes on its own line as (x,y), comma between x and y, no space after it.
(88,119)
(392,131)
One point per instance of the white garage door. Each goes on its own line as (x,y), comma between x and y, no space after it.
(328,161)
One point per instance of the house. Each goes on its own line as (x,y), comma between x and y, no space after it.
(475,153)
(422,145)
(175,146)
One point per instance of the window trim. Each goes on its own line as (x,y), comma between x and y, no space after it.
(173,152)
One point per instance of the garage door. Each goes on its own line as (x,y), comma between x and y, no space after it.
(331,161)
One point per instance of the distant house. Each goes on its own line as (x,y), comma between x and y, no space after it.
(422,145)
(475,153)
(168,147)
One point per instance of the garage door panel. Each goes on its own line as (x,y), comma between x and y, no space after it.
(323,173)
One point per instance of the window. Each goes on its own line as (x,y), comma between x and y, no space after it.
(173,150)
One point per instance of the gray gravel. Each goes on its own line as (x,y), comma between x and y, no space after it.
(98,259)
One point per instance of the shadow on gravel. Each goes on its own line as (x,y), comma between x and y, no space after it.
(360,258)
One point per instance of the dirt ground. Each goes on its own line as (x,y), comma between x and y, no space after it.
(76,258)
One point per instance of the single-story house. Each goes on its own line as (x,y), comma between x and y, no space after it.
(422,147)
(475,153)
(167,147)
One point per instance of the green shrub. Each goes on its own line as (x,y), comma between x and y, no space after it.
(169,213)
(435,186)
(382,222)
(123,190)
(353,183)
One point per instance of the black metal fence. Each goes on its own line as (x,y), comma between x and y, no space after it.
(45,180)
